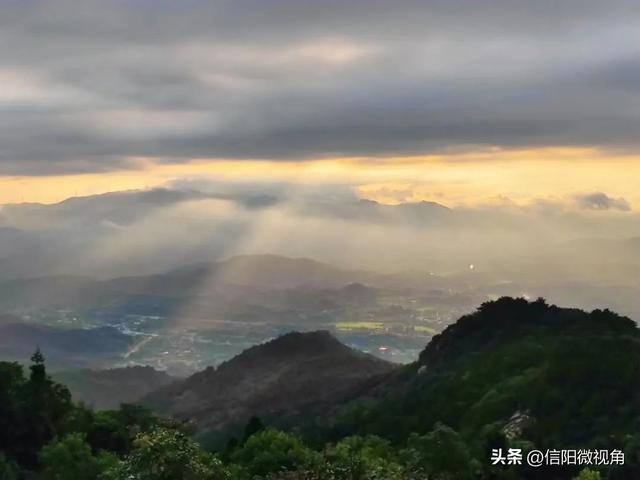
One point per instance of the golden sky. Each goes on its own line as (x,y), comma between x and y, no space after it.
(209,88)
(487,176)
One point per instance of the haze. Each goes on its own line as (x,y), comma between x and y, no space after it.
(497,149)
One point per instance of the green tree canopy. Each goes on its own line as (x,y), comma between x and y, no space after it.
(364,458)
(70,458)
(270,451)
(441,454)
(168,455)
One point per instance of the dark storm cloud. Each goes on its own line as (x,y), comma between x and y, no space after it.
(87,86)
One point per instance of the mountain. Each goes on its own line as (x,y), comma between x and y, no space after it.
(528,371)
(514,374)
(107,389)
(119,208)
(205,285)
(61,347)
(72,237)
(403,214)
(256,271)
(294,374)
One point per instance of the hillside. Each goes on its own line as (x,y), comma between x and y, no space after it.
(295,373)
(164,292)
(63,348)
(513,374)
(107,389)
(526,371)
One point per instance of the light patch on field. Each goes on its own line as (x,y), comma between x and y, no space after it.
(347,326)
(425,329)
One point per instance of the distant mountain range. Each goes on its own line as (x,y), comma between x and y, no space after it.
(70,237)
(208,289)
(125,207)
(279,293)
(257,271)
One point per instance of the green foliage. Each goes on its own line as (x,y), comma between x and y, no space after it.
(254,425)
(32,411)
(8,469)
(168,455)
(570,377)
(71,458)
(440,454)
(115,430)
(588,474)
(514,374)
(41,430)
(363,458)
(270,451)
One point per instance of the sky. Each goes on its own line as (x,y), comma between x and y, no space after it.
(465,103)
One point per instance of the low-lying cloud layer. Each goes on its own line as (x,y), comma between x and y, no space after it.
(97,86)
(140,232)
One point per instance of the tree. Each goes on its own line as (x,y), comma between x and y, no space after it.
(8,470)
(254,425)
(11,385)
(70,458)
(271,451)
(588,474)
(168,455)
(38,371)
(441,454)
(115,430)
(36,410)
(106,431)
(364,458)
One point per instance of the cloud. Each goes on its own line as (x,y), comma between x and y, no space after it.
(194,220)
(602,201)
(89,88)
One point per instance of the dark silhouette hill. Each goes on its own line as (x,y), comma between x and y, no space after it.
(295,374)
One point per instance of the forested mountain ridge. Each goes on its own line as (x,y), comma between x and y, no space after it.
(514,374)
(293,375)
(526,372)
